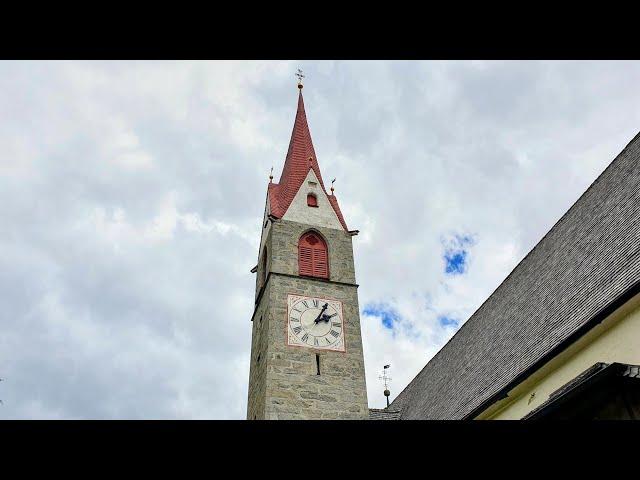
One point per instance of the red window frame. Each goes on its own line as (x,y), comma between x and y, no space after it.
(312,200)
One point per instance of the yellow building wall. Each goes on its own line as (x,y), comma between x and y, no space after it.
(616,339)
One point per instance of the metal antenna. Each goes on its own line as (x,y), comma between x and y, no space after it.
(386,380)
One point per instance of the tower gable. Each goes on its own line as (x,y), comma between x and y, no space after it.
(299,211)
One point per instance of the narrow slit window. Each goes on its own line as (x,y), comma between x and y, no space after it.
(264,267)
(317,364)
(312,200)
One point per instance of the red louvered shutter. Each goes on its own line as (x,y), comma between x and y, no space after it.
(313,259)
(305,260)
(320,263)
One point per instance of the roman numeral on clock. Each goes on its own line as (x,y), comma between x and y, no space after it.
(334,333)
(297,329)
(304,337)
(315,341)
(304,302)
(335,324)
(316,303)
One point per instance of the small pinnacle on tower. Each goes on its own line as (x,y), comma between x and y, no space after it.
(271,175)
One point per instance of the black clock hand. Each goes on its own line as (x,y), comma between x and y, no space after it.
(326,317)
(321,312)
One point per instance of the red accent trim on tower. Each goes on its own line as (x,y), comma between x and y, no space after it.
(301,157)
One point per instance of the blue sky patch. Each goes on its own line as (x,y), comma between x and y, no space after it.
(456,254)
(446,321)
(456,262)
(387,315)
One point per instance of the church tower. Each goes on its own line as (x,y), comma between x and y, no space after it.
(306,348)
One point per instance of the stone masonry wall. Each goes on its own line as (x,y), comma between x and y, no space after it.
(258,364)
(294,390)
(283,245)
(284,383)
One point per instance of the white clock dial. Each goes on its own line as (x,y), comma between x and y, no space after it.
(315,323)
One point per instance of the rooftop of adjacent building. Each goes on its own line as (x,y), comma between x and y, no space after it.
(585,267)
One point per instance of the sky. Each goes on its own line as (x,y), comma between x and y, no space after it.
(132,194)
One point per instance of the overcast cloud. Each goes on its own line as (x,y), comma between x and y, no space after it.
(131,197)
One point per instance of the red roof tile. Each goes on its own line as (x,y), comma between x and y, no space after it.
(301,157)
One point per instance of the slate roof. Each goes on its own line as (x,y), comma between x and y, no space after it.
(582,269)
(301,157)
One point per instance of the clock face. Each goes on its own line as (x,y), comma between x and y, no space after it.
(315,323)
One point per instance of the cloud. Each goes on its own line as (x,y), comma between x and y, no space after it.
(131,197)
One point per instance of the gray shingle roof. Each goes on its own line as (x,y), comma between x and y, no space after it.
(586,263)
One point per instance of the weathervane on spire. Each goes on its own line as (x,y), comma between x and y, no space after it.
(300,77)
(386,380)
(332,185)
(271,175)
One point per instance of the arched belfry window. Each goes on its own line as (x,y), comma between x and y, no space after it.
(313,258)
(312,200)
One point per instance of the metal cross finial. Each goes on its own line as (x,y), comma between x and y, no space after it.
(300,77)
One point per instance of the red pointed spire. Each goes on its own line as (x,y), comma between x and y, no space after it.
(301,157)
